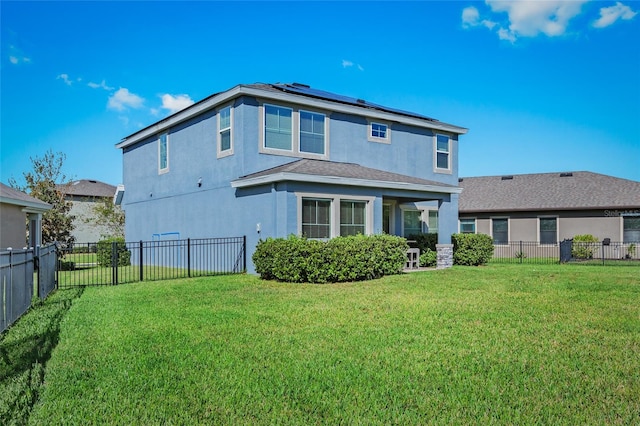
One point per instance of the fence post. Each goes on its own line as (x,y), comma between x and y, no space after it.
(521,252)
(189,257)
(114,263)
(36,255)
(141,263)
(244,253)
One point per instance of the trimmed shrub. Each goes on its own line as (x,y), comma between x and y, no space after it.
(105,248)
(583,246)
(428,258)
(471,249)
(425,242)
(353,258)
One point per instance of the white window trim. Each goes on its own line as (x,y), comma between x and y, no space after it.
(508,229)
(475,224)
(334,220)
(557,230)
(160,169)
(227,152)
(295,133)
(372,138)
(437,169)
(426,215)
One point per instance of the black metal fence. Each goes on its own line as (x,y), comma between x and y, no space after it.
(17,270)
(118,263)
(600,253)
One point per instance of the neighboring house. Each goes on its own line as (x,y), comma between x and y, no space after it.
(550,207)
(270,160)
(85,194)
(16,210)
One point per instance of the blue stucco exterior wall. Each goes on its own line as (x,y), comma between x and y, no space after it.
(173,201)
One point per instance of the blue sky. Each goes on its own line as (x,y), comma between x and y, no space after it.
(542,86)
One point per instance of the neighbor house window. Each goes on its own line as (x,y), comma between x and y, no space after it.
(443,152)
(163,152)
(467,226)
(631,229)
(225,146)
(316,218)
(548,230)
(379,132)
(500,231)
(353,218)
(411,222)
(278,126)
(432,221)
(311,132)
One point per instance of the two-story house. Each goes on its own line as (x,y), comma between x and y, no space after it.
(270,160)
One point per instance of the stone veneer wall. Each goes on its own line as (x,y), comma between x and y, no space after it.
(445,256)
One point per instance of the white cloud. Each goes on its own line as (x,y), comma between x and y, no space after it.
(102,85)
(175,103)
(524,18)
(123,99)
(609,15)
(65,78)
(347,64)
(16,56)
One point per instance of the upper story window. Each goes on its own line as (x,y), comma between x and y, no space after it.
(311,132)
(379,132)
(278,127)
(163,153)
(300,132)
(442,153)
(225,139)
(467,226)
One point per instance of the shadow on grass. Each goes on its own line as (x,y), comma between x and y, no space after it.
(25,349)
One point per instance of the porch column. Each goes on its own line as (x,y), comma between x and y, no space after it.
(447,218)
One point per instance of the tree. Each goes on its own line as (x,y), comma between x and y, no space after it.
(44,183)
(110,216)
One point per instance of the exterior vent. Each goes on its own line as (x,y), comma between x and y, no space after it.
(301,85)
(361,101)
(460,179)
(507,177)
(566,174)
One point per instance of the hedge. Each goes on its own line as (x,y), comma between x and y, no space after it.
(353,258)
(471,249)
(105,248)
(583,246)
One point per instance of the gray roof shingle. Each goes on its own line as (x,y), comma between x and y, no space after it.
(547,191)
(342,170)
(13,196)
(88,188)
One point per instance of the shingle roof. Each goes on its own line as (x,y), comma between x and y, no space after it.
(13,196)
(88,188)
(547,191)
(345,173)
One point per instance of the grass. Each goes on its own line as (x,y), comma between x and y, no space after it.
(515,344)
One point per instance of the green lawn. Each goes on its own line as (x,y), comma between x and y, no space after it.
(504,344)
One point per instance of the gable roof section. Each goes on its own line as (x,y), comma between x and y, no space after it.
(88,188)
(547,191)
(12,196)
(350,174)
(291,93)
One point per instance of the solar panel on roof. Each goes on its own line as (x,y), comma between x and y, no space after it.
(308,91)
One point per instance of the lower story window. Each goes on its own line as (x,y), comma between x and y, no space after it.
(412,222)
(548,230)
(432,222)
(467,226)
(316,218)
(500,228)
(631,229)
(352,217)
